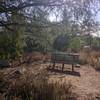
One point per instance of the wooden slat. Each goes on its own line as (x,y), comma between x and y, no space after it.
(67,58)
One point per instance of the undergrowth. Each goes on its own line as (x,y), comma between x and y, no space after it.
(36,88)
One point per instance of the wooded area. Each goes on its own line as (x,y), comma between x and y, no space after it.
(31,30)
(25,25)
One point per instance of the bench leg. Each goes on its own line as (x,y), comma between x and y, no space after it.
(53,65)
(72,67)
(62,66)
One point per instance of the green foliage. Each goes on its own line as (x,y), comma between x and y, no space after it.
(9,48)
(17,16)
(96,41)
(38,38)
(61,42)
(76,43)
(11,39)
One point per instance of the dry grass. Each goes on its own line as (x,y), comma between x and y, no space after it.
(90,57)
(30,87)
(36,87)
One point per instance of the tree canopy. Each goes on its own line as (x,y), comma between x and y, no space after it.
(26,23)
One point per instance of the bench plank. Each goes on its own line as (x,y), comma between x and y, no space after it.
(64,58)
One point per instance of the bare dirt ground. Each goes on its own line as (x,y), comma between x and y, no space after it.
(85,79)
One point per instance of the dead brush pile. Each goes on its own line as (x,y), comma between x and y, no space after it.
(33,88)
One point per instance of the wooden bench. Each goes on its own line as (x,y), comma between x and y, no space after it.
(64,58)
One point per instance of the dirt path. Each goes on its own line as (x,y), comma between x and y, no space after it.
(86,82)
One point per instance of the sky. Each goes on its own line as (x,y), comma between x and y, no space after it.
(53,18)
(98,17)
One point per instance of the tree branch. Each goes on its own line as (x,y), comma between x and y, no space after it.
(4,8)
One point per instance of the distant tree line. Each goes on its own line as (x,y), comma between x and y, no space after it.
(65,42)
(25,25)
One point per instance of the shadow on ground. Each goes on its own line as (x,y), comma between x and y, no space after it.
(74,73)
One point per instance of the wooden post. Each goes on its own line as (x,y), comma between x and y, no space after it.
(72,67)
(53,64)
(62,66)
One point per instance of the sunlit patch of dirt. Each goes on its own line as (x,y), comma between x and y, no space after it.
(88,83)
